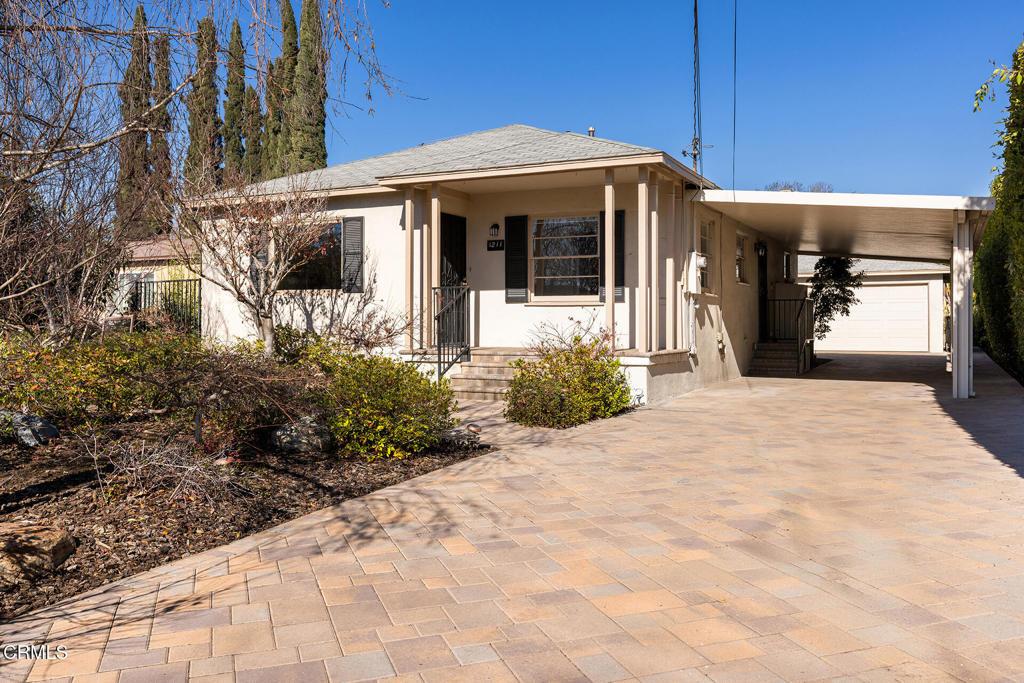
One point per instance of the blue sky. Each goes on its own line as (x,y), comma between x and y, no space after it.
(869,96)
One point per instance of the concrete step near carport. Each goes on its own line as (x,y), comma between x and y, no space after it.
(487,374)
(774,359)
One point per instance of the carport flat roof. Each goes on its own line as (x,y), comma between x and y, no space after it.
(899,226)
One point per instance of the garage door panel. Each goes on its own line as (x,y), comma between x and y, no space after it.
(888,318)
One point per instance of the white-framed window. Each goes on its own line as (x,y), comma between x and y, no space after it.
(787,267)
(707,243)
(565,256)
(741,258)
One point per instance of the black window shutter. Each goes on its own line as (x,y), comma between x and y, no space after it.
(516,259)
(620,255)
(352,255)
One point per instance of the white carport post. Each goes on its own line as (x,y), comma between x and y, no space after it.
(962,280)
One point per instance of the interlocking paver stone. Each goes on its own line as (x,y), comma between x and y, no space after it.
(850,523)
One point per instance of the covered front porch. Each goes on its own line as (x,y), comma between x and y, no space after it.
(495,258)
(905,227)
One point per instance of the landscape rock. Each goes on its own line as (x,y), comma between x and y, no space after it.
(460,438)
(303,436)
(28,551)
(30,431)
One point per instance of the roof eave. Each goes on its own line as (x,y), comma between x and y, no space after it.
(651,158)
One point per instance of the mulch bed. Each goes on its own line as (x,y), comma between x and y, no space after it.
(129,534)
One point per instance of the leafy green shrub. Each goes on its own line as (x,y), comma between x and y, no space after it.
(292,344)
(571,383)
(172,376)
(94,380)
(380,407)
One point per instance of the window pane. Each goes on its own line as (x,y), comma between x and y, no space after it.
(571,226)
(566,266)
(567,286)
(323,269)
(565,256)
(565,246)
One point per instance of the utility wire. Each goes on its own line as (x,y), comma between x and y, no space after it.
(698,133)
(735,13)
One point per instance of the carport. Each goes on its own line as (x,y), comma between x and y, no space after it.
(887,226)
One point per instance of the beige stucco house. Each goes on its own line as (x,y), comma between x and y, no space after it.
(481,239)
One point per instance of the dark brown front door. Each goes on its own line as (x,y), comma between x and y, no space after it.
(453,250)
(762,290)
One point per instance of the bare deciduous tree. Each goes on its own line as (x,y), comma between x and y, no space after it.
(250,240)
(60,125)
(361,321)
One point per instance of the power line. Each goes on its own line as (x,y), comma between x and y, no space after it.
(696,145)
(735,21)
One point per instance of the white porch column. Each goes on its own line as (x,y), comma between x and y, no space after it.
(671,312)
(609,252)
(433,263)
(409,225)
(655,190)
(643,218)
(962,283)
(424,284)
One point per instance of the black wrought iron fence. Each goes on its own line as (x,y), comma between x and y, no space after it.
(451,326)
(180,300)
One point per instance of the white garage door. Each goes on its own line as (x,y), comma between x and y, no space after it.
(888,318)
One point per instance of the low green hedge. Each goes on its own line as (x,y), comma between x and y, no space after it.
(376,406)
(95,380)
(567,386)
(381,407)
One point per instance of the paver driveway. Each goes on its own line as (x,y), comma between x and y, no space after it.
(764,529)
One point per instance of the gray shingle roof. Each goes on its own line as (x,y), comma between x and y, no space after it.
(506,147)
(870,265)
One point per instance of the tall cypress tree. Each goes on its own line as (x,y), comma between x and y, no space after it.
(307,110)
(271,124)
(205,147)
(234,105)
(133,170)
(280,88)
(252,164)
(159,137)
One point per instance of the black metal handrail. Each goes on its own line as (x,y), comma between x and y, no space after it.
(792,320)
(178,299)
(801,326)
(451,326)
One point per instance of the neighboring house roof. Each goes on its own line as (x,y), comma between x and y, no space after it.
(499,148)
(159,248)
(870,265)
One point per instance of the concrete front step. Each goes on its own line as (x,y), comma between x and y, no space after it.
(473,369)
(773,362)
(479,395)
(487,374)
(461,383)
(775,354)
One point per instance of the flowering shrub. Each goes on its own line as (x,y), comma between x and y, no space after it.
(380,407)
(576,379)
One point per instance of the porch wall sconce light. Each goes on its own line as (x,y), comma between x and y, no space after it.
(494,230)
(761,248)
